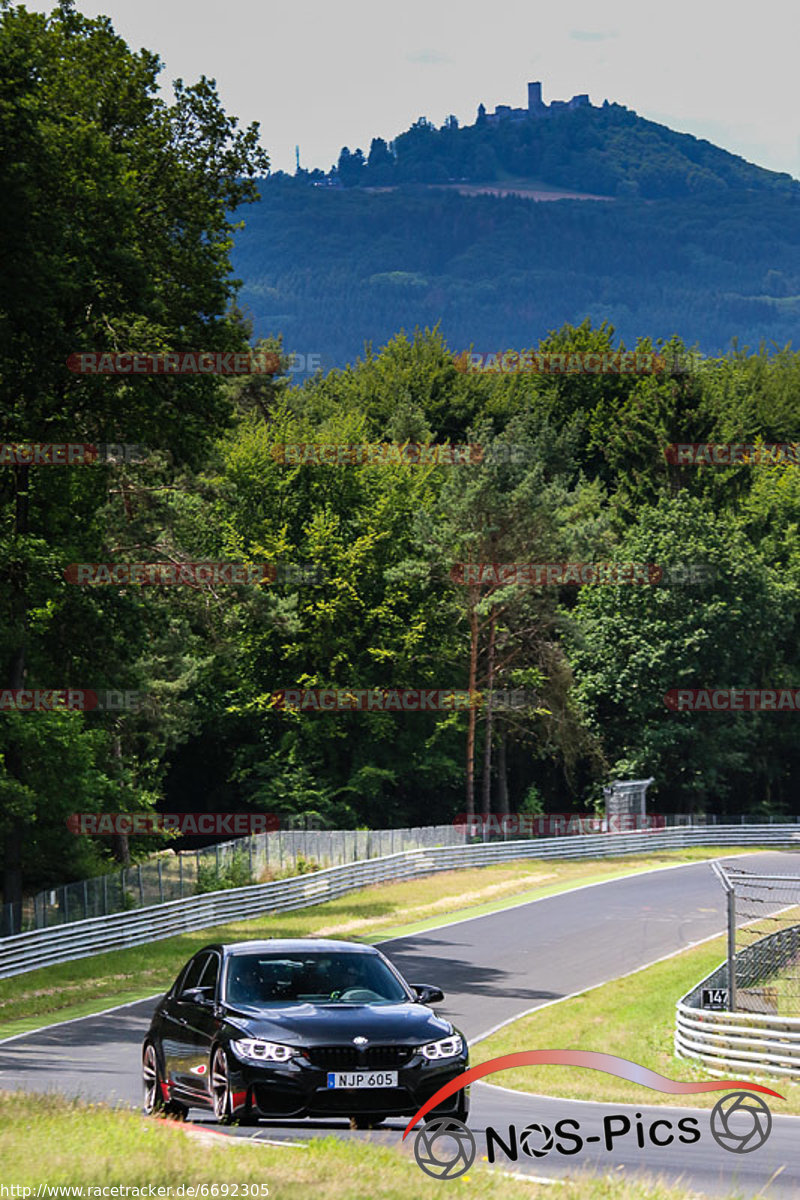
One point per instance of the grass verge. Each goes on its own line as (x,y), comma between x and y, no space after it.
(49,1141)
(76,989)
(632,1017)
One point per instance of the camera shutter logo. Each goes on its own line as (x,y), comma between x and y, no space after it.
(740,1122)
(445,1148)
(536,1140)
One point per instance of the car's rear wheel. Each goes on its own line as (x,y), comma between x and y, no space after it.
(367,1120)
(221,1086)
(153,1101)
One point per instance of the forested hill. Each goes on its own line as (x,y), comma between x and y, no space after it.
(692,241)
(332,269)
(608,150)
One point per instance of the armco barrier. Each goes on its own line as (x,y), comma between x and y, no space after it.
(81,939)
(738,1041)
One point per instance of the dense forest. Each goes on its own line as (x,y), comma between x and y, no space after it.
(692,240)
(336,270)
(143,263)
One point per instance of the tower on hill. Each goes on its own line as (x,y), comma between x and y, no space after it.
(535,104)
(536,107)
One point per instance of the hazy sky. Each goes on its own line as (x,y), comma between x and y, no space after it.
(329,73)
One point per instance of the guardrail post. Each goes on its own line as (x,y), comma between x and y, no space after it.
(732,950)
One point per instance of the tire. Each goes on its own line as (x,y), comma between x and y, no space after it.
(221,1086)
(461,1113)
(248,1117)
(153,1103)
(367,1120)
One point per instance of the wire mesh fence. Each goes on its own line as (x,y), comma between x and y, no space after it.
(761,974)
(765,910)
(279,854)
(257,859)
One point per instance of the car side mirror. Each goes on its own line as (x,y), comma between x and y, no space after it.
(426,994)
(197,995)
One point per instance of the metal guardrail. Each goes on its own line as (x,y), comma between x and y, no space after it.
(725,1040)
(82,939)
(171,876)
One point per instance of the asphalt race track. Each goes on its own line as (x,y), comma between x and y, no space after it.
(491,969)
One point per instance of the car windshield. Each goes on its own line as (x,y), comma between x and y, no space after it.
(273,980)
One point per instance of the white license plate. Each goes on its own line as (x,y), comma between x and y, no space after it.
(362,1079)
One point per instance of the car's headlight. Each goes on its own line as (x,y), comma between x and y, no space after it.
(447,1048)
(257,1050)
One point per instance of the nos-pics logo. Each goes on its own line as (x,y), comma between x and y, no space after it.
(445,1148)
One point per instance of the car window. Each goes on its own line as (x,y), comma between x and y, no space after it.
(210,974)
(270,980)
(195,969)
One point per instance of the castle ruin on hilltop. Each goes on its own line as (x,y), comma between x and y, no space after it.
(536,107)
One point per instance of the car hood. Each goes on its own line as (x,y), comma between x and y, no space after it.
(320,1025)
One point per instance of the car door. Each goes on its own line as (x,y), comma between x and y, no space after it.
(179,1021)
(199,1030)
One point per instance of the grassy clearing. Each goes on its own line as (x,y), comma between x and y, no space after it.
(633,1017)
(372,914)
(57,1142)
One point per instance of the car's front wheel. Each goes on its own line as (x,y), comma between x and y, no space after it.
(221,1087)
(153,1100)
(461,1113)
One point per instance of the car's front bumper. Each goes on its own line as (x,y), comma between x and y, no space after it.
(300,1089)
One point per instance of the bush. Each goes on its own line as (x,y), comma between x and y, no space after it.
(234,873)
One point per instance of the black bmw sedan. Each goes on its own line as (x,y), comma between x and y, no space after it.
(299,1028)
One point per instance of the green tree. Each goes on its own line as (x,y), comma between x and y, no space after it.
(119,228)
